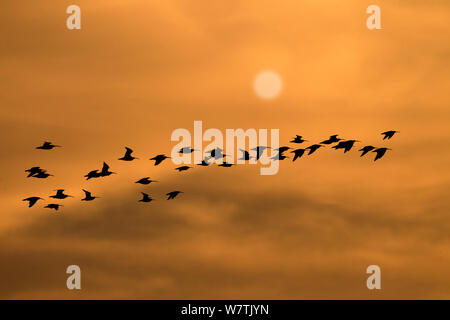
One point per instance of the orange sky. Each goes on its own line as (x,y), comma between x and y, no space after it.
(139,69)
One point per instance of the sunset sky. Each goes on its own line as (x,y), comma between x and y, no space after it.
(139,69)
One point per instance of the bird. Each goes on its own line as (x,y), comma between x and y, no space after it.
(389,134)
(298,139)
(380,153)
(245,155)
(159,158)
(216,153)
(47,146)
(42,175)
(225,164)
(173,194)
(204,163)
(60,194)
(88,196)
(347,145)
(93,174)
(259,151)
(33,171)
(313,148)
(32,201)
(128,156)
(145,180)
(182,168)
(105,170)
(331,139)
(366,149)
(186,150)
(145,198)
(54,206)
(298,153)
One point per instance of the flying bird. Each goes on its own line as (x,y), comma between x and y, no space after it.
(389,134)
(331,139)
(204,163)
(60,194)
(366,149)
(298,139)
(48,146)
(145,180)
(33,171)
(173,194)
(146,198)
(313,148)
(347,145)
(245,155)
(380,153)
(42,175)
(282,149)
(105,170)
(298,153)
(128,156)
(216,153)
(182,168)
(159,158)
(32,201)
(186,150)
(259,151)
(88,196)
(278,156)
(53,206)
(93,174)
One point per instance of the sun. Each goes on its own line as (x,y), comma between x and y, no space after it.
(267,84)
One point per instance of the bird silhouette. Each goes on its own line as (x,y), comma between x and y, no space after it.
(33,171)
(204,163)
(278,156)
(185,150)
(145,180)
(347,145)
(259,151)
(54,206)
(105,170)
(42,175)
(145,198)
(282,149)
(245,155)
(128,156)
(32,201)
(298,139)
(159,158)
(313,148)
(93,174)
(380,153)
(389,134)
(216,153)
(173,194)
(60,194)
(298,153)
(366,149)
(331,139)
(182,168)
(225,164)
(47,146)
(88,196)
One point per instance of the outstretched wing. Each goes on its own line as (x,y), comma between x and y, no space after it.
(87,193)
(105,167)
(128,152)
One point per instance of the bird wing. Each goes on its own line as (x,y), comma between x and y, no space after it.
(105,167)
(87,193)
(128,152)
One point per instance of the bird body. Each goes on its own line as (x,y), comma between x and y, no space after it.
(347,145)
(298,139)
(331,139)
(159,158)
(380,153)
(145,198)
(32,201)
(298,153)
(173,194)
(259,151)
(128,156)
(245,155)
(366,149)
(53,206)
(88,196)
(182,168)
(33,171)
(42,175)
(145,181)
(313,148)
(60,194)
(389,134)
(185,150)
(225,165)
(105,170)
(93,174)
(47,146)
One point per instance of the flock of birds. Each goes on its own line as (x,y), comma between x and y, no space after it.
(217,154)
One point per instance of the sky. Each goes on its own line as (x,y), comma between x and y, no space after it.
(137,70)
